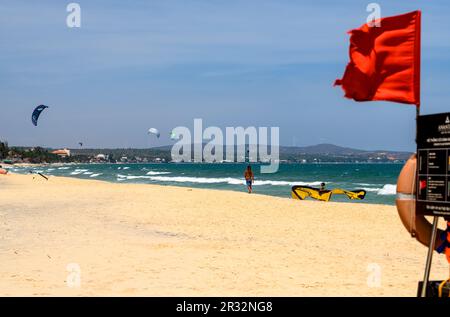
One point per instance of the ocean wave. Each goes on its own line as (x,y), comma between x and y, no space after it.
(79,171)
(157,173)
(388,189)
(202,180)
(64,168)
(212,180)
(373,190)
(95,175)
(125,177)
(286,183)
(367,184)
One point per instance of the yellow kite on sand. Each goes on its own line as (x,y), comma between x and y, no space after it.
(302,192)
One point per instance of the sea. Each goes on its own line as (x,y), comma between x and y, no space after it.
(378,179)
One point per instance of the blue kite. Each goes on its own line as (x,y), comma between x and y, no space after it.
(36,113)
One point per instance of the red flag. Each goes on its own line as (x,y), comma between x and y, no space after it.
(385,61)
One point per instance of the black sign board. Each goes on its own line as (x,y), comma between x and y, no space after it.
(433,165)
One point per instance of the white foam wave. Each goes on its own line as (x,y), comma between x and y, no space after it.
(64,168)
(79,171)
(211,180)
(388,189)
(374,190)
(157,173)
(285,183)
(365,184)
(202,180)
(95,175)
(124,177)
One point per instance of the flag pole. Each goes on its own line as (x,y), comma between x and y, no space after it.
(426,276)
(417,65)
(417,121)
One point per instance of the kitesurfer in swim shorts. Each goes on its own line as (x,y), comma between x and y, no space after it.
(249,178)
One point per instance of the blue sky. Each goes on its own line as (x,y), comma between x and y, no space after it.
(161,63)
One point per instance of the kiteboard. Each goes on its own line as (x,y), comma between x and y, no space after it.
(302,192)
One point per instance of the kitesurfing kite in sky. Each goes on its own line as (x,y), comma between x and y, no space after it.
(173,136)
(154,131)
(36,113)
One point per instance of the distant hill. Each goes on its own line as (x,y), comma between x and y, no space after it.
(322,149)
(333,153)
(313,153)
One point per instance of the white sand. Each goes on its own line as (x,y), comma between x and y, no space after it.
(162,241)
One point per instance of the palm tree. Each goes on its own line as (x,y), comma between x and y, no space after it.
(4,149)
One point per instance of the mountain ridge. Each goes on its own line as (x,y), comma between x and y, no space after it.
(323,152)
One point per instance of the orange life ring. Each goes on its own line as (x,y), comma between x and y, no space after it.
(417,225)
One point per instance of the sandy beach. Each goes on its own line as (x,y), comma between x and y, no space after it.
(149,240)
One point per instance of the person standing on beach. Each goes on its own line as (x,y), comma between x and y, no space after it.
(249,178)
(322,187)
